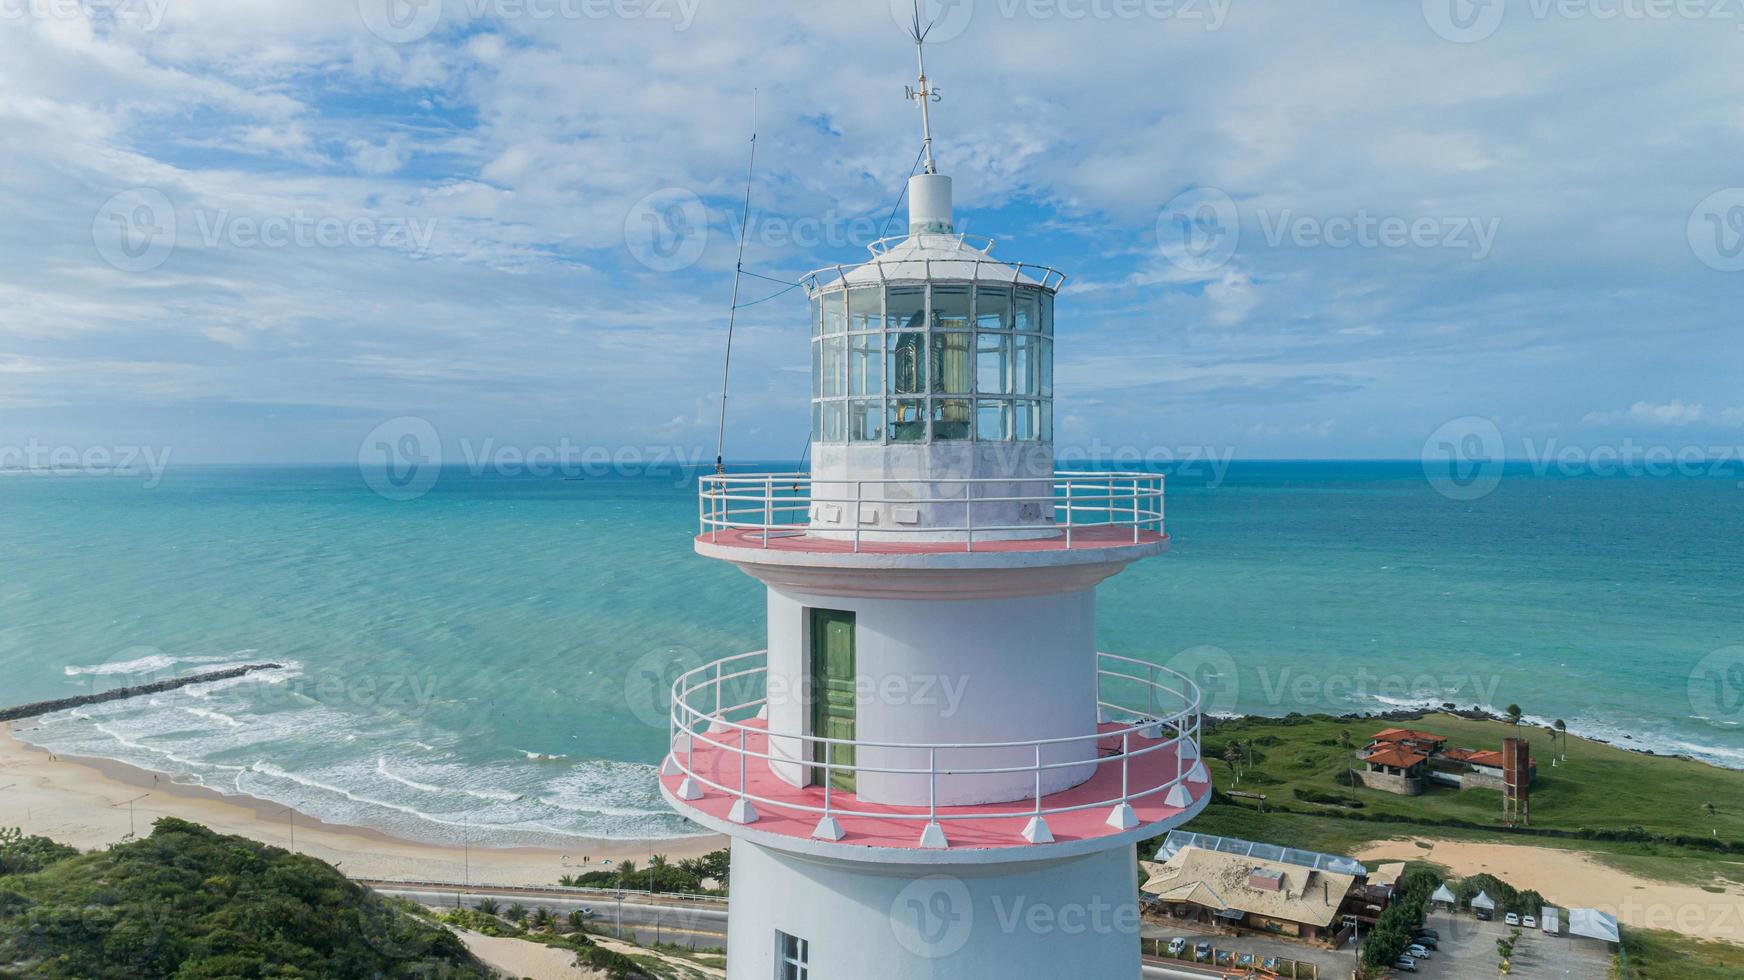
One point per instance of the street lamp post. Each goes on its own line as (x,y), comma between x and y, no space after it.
(129,805)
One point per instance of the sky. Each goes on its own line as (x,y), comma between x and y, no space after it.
(276,230)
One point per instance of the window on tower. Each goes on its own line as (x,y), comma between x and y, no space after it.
(945,361)
(792,957)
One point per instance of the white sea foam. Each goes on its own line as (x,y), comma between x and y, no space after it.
(381,767)
(143,665)
(217,716)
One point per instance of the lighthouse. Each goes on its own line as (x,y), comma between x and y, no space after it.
(931,771)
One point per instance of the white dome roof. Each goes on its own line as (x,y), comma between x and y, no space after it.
(936,258)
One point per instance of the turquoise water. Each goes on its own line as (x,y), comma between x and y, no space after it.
(485,659)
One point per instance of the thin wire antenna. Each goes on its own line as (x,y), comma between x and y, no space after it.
(924,94)
(733,312)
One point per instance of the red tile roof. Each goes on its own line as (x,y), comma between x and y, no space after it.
(1397,757)
(1406,735)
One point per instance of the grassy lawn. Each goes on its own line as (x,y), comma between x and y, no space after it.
(1600,788)
(1670,956)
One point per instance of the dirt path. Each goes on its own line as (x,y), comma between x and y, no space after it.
(1572,878)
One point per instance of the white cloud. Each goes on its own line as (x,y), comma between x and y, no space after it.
(1674,412)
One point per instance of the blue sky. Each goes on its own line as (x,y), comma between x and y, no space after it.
(256,231)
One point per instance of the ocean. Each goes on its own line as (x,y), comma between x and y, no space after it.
(486,660)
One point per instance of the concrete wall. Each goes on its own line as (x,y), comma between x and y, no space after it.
(938,671)
(1076,918)
(1388,782)
(1028,466)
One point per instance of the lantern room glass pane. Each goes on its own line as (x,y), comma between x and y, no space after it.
(1047,312)
(1025,364)
(1045,368)
(950,308)
(866,420)
(1024,421)
(905,308)
(992,307)
(866,364)
(993,363)
(1047,417)
(907,363)
(833,373)
(865,308)
(833,424)
(907,420)
(992,419)
(1027,310)
(817,315)
(950,418)
(950,363)
(835,312)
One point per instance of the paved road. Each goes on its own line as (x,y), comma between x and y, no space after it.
(691,925)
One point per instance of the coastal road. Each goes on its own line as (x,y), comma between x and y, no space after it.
(695,925)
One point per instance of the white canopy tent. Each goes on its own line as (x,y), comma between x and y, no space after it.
(1593,924)
(1444,894)
(1483,901)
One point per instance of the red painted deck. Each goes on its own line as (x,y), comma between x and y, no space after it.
(963,827)
(871,544)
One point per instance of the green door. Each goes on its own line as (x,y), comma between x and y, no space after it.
(832,693)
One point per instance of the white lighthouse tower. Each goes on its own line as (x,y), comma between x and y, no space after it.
(931,771)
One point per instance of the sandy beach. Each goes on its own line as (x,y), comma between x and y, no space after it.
(83,802)
(1573,878)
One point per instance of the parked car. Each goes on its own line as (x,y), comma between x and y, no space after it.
(586,911)
(1405,963)
(1426,941)
(1529,922)
(1431,933)
(1176,945)
(1483,915)
(1202,950)
(1417,952)
(1511,919)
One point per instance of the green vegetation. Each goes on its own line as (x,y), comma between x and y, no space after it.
(1657,813)
(1673,956)
(562,932)
(660,875)
(188,903)
(21,855)
(1398,925)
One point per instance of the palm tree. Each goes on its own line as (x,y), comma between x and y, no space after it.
(542,919)
(516,913)
(696,868)
(577,921)
(1231,754)
(1708,808)
(487,905)
(567,881)
(1344,737)
(1514,714)
(1562,729)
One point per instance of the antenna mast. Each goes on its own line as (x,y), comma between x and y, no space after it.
(923,95)
(733,311)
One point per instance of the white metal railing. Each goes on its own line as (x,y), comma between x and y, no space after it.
(889,267)
(703,719)
(780,504)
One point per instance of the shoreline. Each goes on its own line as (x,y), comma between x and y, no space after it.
(81,800)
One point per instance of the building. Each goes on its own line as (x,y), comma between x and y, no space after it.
(880,829)
(1240,884)
(1408,762)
